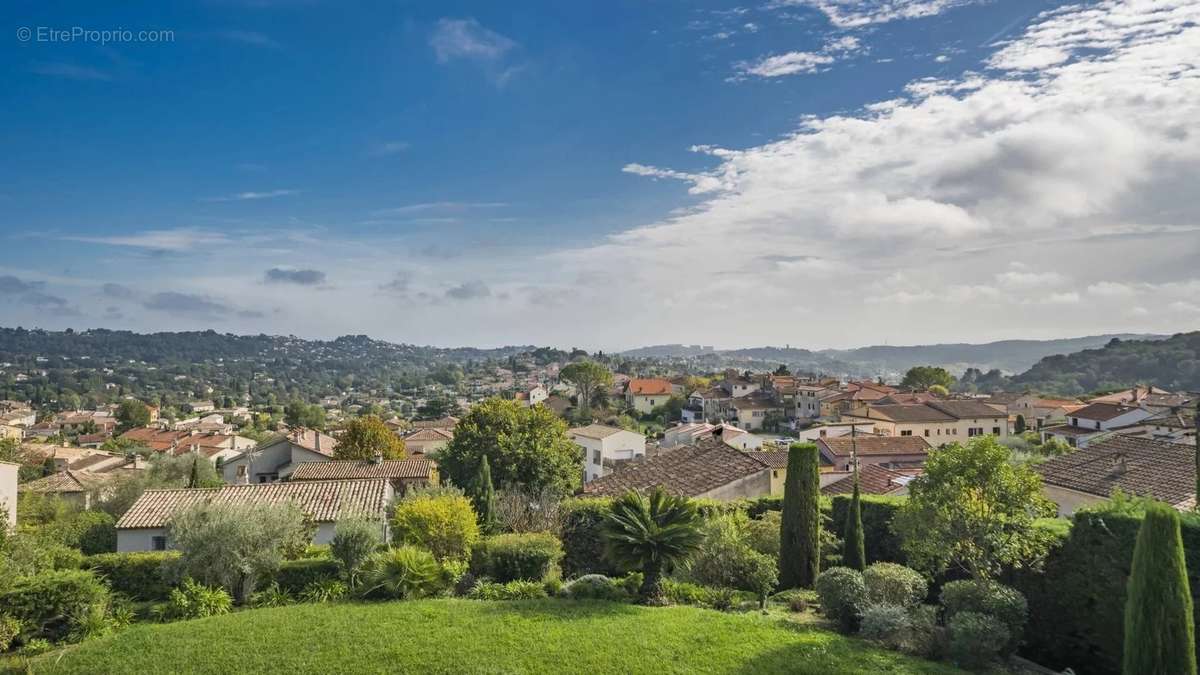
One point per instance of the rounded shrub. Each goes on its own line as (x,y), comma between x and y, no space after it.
(51,604)
(975,640)
(892,584)
(513,590)
(193,600)
(889,624)
(293,576)
(594,587)
(444,524)
(583,543)
(329,590)
(843,596)
(1006,604)
(512,557)
(144,576)
(354,541)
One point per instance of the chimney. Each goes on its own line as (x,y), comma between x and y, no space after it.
(1134,392)
(1119,466)
(318,443)
(377,458)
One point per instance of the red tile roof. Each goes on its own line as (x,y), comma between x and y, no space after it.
(841,446)
(872,480)
(690,470)
(1138,466)
(357,469)
(649,387)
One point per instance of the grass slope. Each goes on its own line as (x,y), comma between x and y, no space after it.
(462,636)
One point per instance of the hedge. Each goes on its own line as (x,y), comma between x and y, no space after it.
(49,604)
(583,545)
(516,557)
(1077,603)
(881,544)
(140,576)
(294,576)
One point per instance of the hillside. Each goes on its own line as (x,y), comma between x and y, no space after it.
(469,636)
(1173,363)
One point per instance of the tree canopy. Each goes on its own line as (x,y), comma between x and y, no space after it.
(923,377)
(366,437)
(589,378)
(525,446)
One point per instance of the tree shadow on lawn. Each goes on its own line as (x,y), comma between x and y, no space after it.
(559,609)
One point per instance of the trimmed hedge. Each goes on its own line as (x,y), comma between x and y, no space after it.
(294,576)
(882,545)
(139,576)
(583,544)
(50,604)
(516,557)
(1077,603)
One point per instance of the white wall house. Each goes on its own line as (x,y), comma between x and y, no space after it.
(8,493)
(274,459)
(603,446)
(1094,421)
(145,526)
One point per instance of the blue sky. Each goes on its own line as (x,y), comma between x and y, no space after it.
(602,174)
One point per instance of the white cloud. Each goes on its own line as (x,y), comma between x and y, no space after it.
(1111,289)
(159,240)
(252,195)
(467,39)
(799,62)
(855,13)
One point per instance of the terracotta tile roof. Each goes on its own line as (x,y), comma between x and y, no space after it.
(1138,466)
(872,480)
(649,387)
(840,446)
(429,434)
(1071,430)
(596,431)
(65,482)
(323,501)
(689,470)
(358,469)
(447,422)
(776,459)
(1102,412)
(1184,419)
(966,409)
(908,413)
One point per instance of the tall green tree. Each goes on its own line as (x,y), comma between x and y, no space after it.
(485,498)
(1160,636)
(974,510)
(526,447)
(921,378)
(301,414)
(854,553)
(132,414)
(366,437)
(652,533)
(1019,425)
(800,530)
(589,377)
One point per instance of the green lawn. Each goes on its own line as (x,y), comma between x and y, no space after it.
(463,636)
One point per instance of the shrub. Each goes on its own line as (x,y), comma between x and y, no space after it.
(89,531)
(632,583)
(888,624)
(36,646)
(445,525)
(925,637)
(762,534)
(843,596)
(512,557)
(236,546)
(876,513)
(193,600)
(293,576)
(892,584)
(464,584)
(684,593)
(553,586)
(1159,630)
(796,599)
(583,543)
(975,639)
(513,590)
(10,628)
(271,596)
(403,573)
(1007,605)
(52,604)
(354,541)
(142,576)
(595,587)
(328,590)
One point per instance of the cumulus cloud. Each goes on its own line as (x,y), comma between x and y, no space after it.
(287,275)
(856,13)
(799,62)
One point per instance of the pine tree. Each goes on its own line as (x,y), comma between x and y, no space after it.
(854,554)
(485,497)
(1159,631)
(800,531)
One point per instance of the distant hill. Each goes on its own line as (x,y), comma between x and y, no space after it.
(1172,363)
(1008,356)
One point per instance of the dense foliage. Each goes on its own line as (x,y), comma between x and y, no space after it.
(367,437)
(444,524)
(516,557)
(652,533)
(1173,364)
(1160,634)
(800,532)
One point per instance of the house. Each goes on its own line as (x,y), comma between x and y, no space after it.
(8,493)
(1094,420)
(708,469)
(873,479)
(1136,466)
(448,423)
(753,411)
(1144,396)
(401,473)
(603,445)
(144,525)
(713,404)
(646,394)
(78,487)
(887,451)
(738,384)
(1038,412)
(739,438)
(937,421)
(1176,427)
(428,440)
(835,429)
(275,458)
(533,395)
(689,433)
(11,432)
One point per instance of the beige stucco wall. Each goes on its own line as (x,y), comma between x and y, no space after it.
(1069,501)
(646,404)
(756,485)
(8,493)
(939,432)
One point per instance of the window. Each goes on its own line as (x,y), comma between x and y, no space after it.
(927,433)
(906,432)
(241,471)
(158,543)
(262,479)
(995,431)
(1097,425)
(595,457)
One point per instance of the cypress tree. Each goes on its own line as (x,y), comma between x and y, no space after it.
(800,530)
(1019,425)
(854,553)
(1159,632)
(485,497)
(194,477)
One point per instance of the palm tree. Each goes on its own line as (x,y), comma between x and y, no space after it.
(652,532)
